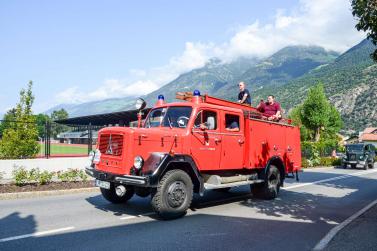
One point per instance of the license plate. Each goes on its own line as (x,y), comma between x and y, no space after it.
(103,184)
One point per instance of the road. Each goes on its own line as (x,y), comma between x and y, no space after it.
(297,220)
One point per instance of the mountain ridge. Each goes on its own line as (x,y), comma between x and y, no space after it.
(288,74)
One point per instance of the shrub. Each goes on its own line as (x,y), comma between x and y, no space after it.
(326,161)
(72,175)
(304,162)
(33,175)
(83,175)
(329,161)
(337,162)
(20,175)
(45,177)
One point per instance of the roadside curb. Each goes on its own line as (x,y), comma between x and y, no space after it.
(34,194)
(323,243)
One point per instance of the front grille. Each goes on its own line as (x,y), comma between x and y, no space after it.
(111,144)
(352,156)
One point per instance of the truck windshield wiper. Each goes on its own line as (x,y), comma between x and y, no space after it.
(169,121)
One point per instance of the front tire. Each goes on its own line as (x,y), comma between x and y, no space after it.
(371,165)
(366,165)
(270,188)
(173,195)
(110,195)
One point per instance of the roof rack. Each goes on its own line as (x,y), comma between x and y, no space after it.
(248,110)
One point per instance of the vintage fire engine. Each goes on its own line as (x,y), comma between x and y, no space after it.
(189,147)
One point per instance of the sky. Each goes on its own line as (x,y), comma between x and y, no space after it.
(80,51)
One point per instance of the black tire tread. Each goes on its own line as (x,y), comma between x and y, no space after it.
(157,200)
(261,190)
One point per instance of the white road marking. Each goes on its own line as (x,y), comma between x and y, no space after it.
(330,179)
(36,234)
(136,216)
(322,244)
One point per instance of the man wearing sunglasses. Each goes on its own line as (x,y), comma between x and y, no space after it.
(244,94)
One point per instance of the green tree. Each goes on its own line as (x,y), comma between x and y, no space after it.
(58,115)
(315,111)
(295,116)
(7,120)
(318,116)
(366,13)
(41,120)
(20,139)
(334,124)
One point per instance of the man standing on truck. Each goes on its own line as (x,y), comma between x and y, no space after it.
(244,94)
(271,109)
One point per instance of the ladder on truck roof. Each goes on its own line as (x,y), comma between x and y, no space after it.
(187,96)
(249,112)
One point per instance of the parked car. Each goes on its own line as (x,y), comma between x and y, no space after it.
(359,155)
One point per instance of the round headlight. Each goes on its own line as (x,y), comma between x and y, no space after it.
(138,162)
(140,104)
(97,156)
(91,156)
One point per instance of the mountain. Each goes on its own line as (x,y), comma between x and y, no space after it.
(95,107)
(350,83)
(208,79)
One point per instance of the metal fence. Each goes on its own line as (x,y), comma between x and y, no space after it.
(52,139)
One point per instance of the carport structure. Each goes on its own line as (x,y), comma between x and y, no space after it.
(83,129)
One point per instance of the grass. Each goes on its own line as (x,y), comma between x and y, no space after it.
(63,149)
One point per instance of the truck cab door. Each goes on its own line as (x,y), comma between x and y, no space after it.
(233,140)
(206,140)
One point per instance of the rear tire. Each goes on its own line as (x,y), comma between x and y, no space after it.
(110,195)
(270,188)
(173,195)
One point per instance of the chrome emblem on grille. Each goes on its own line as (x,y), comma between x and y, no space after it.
(109,149)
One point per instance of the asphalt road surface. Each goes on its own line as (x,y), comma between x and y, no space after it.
(297,220)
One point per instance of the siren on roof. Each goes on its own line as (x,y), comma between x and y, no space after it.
(196,97)
(160,100)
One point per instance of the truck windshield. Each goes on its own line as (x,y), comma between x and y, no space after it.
(355,147)
(174,116)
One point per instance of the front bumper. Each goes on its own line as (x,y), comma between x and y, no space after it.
(133,180)
(353,162)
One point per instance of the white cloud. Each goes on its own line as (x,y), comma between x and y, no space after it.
(326,23)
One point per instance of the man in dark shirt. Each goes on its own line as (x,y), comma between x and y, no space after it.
(244,94)
(271,109)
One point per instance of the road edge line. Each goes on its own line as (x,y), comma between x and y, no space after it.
(322,244)
(34,194)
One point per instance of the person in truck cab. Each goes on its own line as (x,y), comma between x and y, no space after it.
(232,123)
(233,127)
(244,94)
(271,109)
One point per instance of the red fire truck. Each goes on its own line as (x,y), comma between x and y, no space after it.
(189,147)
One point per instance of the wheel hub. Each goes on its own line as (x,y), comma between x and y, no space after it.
(176,194)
